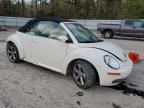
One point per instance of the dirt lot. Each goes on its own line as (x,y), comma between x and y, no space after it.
(25,85)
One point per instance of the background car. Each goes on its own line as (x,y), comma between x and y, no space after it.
(3,28)
(129,27)
(67,47)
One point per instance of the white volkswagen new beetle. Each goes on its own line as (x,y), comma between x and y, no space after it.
(68,47)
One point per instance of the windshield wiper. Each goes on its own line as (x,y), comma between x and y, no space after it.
(91,41)
(87,42)
(100,40)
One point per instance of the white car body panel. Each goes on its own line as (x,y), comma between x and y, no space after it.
(107,46)
(26,42)
(57,55)
(48,51)
(95,57)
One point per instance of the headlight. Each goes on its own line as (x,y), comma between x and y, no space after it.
(111,62)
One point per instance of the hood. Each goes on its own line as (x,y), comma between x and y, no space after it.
(107,47)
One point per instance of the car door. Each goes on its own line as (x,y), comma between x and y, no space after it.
(46,49)
(26,38)
(127,28)
(139,28)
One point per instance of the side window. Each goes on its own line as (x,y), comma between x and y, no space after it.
(129,23)
(31,29)
(50,29)
(138,24)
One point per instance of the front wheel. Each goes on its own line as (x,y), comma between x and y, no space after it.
(12,53)
(83,74)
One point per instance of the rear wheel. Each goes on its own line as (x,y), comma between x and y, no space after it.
(108,34)
(12,53)
(83,74)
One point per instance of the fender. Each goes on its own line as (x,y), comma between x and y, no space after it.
(86,54)
(14,38)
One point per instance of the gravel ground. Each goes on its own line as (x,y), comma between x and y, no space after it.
(25,85)
(4,35)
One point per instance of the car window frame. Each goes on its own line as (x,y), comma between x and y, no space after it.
(23,30)
(129,25)
(33,24)
(99,40)
(48,37)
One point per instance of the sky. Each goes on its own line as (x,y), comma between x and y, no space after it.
(27,0)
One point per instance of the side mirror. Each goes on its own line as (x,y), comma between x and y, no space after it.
(63,38)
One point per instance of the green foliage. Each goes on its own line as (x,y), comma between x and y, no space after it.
(82,9)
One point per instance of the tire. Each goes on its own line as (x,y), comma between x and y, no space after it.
(108,34)
(12,53)
(84,74)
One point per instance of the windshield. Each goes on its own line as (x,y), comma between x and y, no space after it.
(82,34)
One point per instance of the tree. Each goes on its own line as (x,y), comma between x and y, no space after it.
(90,9)
(23,7)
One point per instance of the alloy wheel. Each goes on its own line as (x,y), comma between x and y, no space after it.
(12,53)
(79,74)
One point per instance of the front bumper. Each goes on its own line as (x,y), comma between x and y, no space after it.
(109,80)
